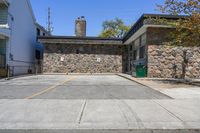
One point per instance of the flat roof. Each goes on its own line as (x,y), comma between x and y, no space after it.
(99,40)
(79,40)
(139,22)
(74,37)
(4,2)
(42,28)
(166,16)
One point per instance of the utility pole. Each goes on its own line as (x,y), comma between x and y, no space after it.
(49,22)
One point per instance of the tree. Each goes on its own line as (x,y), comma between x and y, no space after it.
(187,30)
(114,29)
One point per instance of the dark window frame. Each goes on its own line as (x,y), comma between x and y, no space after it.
(130,47)
(4,14)
(135,55)
(37,54)
(142,52)
(38,32)
(3,44)
(77,51)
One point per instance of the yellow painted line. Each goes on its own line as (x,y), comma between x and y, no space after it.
(49,88)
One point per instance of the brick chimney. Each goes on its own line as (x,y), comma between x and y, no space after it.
(80,27)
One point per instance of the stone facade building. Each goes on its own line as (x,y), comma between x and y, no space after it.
(173,62)
(143,45)
(147,45)
(88,55)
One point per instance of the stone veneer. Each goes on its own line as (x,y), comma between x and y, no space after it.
(168,62)
(165,61)
(83,58)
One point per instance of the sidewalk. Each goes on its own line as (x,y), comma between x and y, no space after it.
(104,115)
(157,84)
(176,89)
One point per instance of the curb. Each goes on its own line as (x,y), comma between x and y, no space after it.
(134,80)
(92,74)
(19,76)
(187,82)
(80,73)
(54,74)
(192,83)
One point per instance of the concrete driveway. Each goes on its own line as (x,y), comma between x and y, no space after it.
(76,87)
(92,104)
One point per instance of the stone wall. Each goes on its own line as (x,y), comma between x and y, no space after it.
(165,61)
(73,58)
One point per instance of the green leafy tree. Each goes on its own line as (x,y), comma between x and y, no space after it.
(187,30)
(114,29)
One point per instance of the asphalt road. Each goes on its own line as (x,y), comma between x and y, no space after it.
(75,87)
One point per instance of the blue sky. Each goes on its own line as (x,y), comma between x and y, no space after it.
(64,13)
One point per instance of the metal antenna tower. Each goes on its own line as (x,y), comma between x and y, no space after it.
(49,22)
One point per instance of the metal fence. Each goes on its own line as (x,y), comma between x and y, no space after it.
(10,71)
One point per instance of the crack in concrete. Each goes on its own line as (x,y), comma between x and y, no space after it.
(171,113)
(82,111)
(124,114)
(138,120)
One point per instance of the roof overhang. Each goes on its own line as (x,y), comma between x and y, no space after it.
(4,2)
(78,41)
(5,32)
(141,31)
(42,28)
(140,22)
(2,37)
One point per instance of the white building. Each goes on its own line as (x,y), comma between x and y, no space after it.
(41,31)
(18,36)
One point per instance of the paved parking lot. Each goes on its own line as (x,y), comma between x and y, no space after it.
(93,103)
(76,87)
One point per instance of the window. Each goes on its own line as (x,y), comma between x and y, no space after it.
(2,61)
(81,49)
(137,43)
(130,66)
(77,51)
(143,39)
(38,32)
(142,52)
(130,47)
(131,54)
(2,46)
(3,14)
(37,54)
(44,34)
(2,53)
(134,54)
